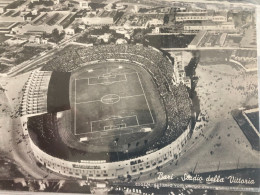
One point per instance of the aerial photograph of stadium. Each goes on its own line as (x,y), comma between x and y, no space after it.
(129,96)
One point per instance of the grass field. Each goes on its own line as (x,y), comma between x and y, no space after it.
(110,101)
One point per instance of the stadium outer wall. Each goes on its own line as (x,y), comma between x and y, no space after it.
(113,170)
(99,170)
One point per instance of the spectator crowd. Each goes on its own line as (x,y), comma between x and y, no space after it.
(175,97)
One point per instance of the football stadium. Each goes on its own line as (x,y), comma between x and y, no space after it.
(106,112)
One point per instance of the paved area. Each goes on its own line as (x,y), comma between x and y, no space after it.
(13,144)
(217,142)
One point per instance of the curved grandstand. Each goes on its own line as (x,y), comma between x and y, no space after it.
(110,103)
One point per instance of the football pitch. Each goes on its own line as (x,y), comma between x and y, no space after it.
(110,101)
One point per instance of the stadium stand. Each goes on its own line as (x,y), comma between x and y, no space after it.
(34,100)
(175,97)
(44,128)
(251,134)
(58,92)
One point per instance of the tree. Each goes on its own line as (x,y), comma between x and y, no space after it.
(166,19)
(56,36)
(30,6)
(48,3)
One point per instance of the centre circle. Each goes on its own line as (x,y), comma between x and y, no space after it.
(110,99)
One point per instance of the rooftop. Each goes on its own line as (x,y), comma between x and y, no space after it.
(5,24)
(109,14)
(184,14)
(198,38)
(205,23)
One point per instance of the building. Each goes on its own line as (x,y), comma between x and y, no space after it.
(156,30)
(201,16)
(2,7)
(120,7)
(105,37)
(82,26)
(43,28)
(211,26)
(56,2)
(4,4)
(180,9)
(135,9)
(179,69)
(244,55)
(95,20)
(182,16)
(133,21)
(34,12)
(249,38)
(126,33)
(71,29)
(188,10)
(102,18)
(37,39)
(7,27)
(155,22)
(46,22)
(83,4)
(98,168)
(15,41)
(220,17)
(4,18)
(108,7)
(121,41)
(30,16)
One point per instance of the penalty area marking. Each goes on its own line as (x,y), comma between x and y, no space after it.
(107,78)
(114,118)
(104,83)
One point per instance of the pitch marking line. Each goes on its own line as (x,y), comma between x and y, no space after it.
(108,82)
(125,117)
(88,102)
(136,118)
(107,136)
(120,98)
(145,98)
(107,75)
(125,97)
(75,106)
(125,74)
(102,131)
(107,128)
